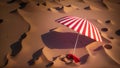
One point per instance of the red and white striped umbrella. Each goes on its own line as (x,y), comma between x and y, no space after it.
(81,26)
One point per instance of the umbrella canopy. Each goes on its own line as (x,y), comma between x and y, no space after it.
(82,26)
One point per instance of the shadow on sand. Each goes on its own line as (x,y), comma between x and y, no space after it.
(35,56)
(65,40)
(83,59)
(17,46)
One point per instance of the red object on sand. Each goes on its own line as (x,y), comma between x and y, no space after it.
(71,56)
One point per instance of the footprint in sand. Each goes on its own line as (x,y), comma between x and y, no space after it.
(64,9)
(22,5)
(1,21)
(104,29)
(97,4)
(87,8)
(11,1)
(117,32)
(107,46)
(108,21)
(110,37)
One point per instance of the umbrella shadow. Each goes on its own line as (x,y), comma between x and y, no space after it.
(60,40)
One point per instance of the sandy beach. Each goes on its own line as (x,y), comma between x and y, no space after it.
(30,37)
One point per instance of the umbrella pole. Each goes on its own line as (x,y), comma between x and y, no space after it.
(76,43)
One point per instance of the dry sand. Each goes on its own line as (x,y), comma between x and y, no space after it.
(38,23)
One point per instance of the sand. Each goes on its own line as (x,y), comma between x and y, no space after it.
(38,23)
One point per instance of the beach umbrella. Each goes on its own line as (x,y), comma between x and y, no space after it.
(81,26)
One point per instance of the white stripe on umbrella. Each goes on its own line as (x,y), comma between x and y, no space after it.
(78,25)
(99,37)
(81,26)
(66,20)
(73,20)
(73,24)
(95,33)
